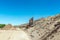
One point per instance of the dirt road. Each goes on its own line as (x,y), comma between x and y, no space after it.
(13,35)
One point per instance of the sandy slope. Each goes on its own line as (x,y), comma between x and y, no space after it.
(13,35)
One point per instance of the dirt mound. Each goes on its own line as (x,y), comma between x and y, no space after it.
(8,27)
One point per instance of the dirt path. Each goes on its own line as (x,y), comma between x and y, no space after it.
(13,35)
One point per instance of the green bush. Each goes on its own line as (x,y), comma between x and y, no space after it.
(2,25)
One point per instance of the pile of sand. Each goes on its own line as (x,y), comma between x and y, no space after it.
(8,27)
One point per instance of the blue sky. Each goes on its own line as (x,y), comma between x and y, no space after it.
(20,11)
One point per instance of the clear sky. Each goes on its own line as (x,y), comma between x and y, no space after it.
(20,11)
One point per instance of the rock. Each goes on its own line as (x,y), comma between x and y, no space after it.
(31,22)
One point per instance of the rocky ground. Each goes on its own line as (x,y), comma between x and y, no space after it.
(45,29)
